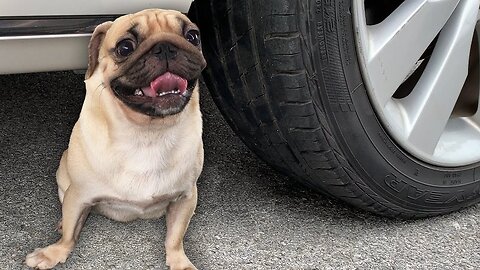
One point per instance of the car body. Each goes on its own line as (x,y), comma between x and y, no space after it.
(367,101)
(38,36)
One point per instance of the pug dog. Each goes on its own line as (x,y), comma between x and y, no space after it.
(136,151)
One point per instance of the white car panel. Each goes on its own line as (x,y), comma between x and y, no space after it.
(49,53)
(40,53)
(10,8)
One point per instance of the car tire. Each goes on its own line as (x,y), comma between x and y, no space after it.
(287,78)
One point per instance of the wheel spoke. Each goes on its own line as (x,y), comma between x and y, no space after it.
(431,102)
(396,44)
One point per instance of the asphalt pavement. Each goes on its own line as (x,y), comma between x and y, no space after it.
(248,215)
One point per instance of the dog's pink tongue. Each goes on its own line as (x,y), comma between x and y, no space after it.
(166,83)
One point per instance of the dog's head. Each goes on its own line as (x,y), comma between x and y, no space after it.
(150,60)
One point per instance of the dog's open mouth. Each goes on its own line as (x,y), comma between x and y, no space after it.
(163,86)
(165,95)
(166,84)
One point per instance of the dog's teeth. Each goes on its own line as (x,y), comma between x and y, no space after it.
(176,91)
(138,92)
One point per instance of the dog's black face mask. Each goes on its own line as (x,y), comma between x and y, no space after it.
(157,72)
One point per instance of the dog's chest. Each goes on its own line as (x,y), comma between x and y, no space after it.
(144,178)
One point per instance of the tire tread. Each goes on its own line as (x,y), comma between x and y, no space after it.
(269,105)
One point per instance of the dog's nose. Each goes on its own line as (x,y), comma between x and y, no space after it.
(165,51)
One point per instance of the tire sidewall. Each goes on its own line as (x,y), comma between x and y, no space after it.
(378,162)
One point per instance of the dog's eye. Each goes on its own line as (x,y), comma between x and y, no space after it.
(193,36)
(125,47)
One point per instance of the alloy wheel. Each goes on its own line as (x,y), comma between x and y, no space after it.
(420,65)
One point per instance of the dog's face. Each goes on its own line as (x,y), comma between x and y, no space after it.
(150,60)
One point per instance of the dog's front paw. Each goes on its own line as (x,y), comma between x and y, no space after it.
(183,266)
(180,262)
(48,257)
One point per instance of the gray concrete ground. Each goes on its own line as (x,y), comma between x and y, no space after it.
(248,216)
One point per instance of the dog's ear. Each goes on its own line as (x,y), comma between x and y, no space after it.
(94,47)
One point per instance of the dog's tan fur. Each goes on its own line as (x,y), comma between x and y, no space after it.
(124,164)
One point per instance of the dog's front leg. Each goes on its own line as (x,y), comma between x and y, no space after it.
(75,209)
(179,214)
